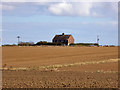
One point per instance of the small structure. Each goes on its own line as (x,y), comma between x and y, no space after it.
(18,39)
(64,39)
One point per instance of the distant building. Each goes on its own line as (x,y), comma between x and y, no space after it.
(64,39)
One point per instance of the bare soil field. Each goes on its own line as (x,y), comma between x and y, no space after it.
(60,67)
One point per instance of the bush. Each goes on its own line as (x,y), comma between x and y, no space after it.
(26,44)
(41,43)
(48,43)
(9,45)
(84,44)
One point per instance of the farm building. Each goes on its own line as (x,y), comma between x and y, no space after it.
(64,39)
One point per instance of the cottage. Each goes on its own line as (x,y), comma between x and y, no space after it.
(64,39)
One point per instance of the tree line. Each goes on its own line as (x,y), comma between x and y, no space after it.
(40,43)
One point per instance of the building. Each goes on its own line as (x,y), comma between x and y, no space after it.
(64,39)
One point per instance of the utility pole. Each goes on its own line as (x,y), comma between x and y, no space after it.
(18,39)
(98,40)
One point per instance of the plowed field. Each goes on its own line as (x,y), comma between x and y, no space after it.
(60,67)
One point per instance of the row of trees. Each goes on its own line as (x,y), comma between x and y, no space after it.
(21,44)
(54,44)
(34,44)
(38,43)
(50,44)
(84,44)
(26,44)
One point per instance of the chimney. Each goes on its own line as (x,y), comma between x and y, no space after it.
(63,34)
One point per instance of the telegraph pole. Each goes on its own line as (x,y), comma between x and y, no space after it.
(18,39)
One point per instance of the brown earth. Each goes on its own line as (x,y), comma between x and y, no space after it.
(60,67)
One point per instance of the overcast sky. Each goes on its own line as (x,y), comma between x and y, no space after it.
(41,21)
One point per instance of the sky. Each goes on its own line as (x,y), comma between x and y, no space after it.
(41,21)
